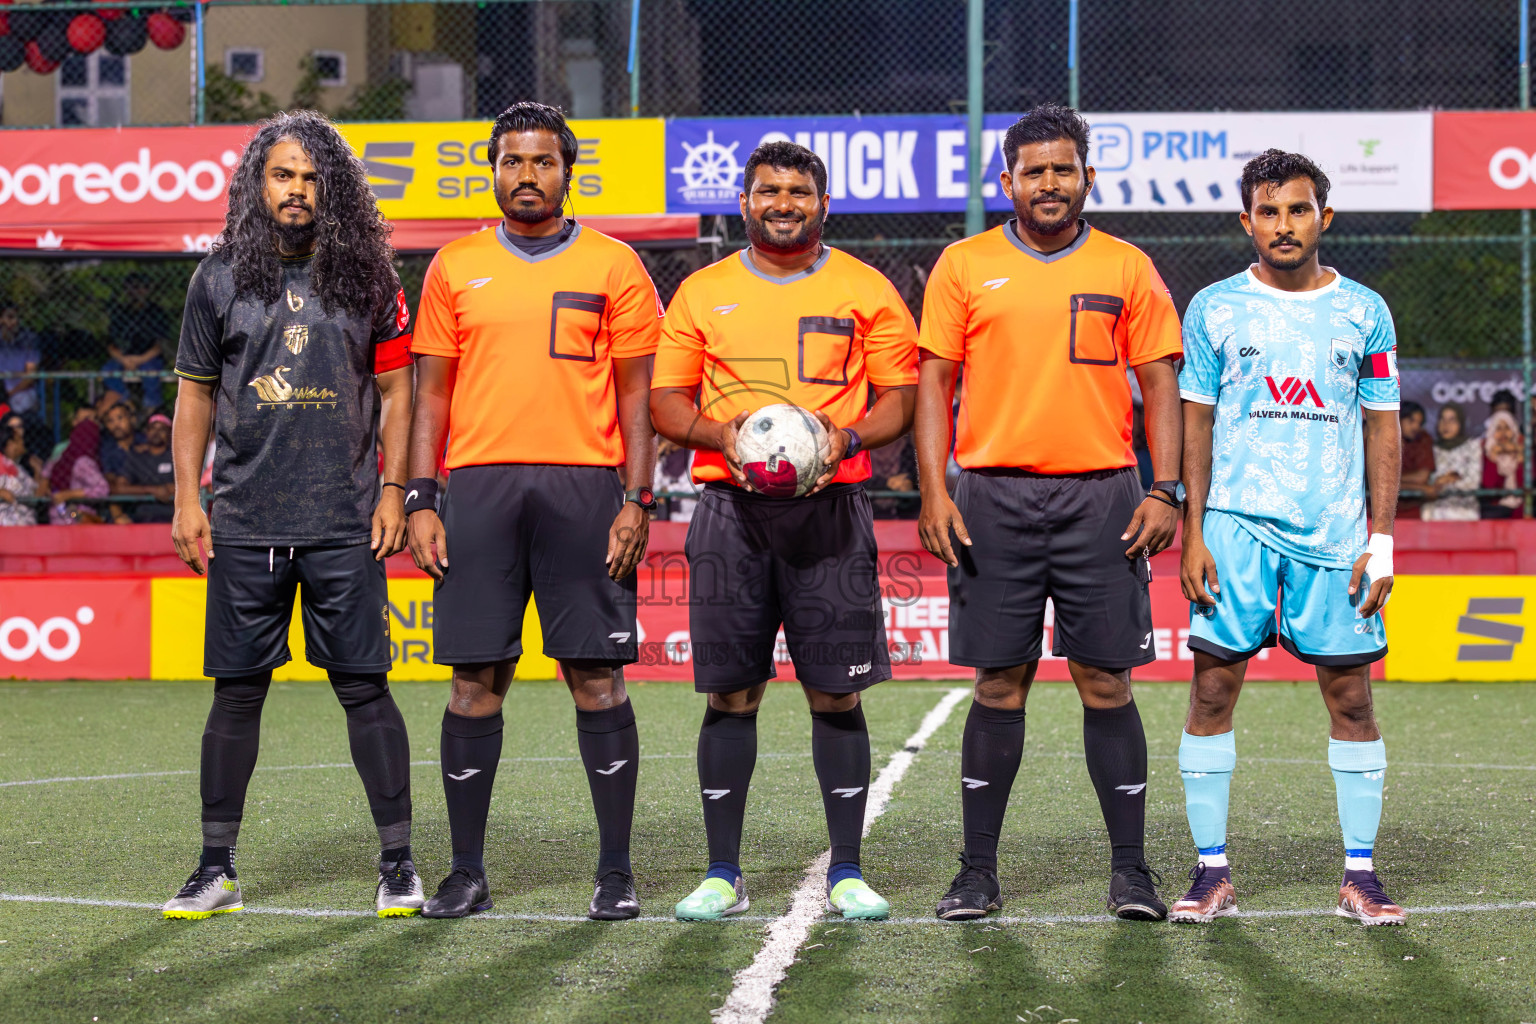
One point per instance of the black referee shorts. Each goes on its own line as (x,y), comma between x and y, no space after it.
(1035,537)
(808,564)
(344,606)
(520,531)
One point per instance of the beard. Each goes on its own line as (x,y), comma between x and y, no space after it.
(1279,262)
(808,237)
(296,237)
(1026,215)
(529,214)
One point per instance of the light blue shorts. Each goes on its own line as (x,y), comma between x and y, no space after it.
(1319,623)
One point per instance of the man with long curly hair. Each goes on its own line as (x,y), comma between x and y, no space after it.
(295,332)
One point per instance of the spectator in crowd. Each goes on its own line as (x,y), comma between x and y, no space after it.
(149,472)
(1503,466)
(1504,400)
(1418,460)
(19,474)
(117,440)
(139,337)
(1458,468)
(20,352)
(674,472)
(894,468)
(76,474)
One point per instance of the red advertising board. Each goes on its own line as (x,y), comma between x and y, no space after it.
(915,596)
(1485,160)
(84,628)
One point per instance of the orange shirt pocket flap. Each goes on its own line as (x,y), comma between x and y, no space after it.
(575,319)
(826,345)
(1095,320)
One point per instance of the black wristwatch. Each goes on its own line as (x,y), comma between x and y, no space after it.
(1173,488)
(642,496)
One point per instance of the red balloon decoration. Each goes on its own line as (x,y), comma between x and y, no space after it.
(37,62)
(111,13)
(165,31)
(86,33)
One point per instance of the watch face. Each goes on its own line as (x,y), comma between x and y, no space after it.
(647,497)
(1178,492)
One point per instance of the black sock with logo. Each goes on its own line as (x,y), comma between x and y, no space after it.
(610,751)
(990,752)
(1116,749)
(727,756)
(840,752)
(471,751)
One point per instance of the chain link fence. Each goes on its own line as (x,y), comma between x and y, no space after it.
(1454,281)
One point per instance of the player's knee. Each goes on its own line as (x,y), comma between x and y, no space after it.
(242,695)
(738,702)
(356,690)
(1354,708)
(1004,687)
(594,685)
(830,702)
(1211,700)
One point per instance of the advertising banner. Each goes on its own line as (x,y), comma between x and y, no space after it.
(1484,160)
(165,189)
(1462,627)
(83,628)
(1167,162)
(1434,383)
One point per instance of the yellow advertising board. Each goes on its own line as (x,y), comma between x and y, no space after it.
(1479,628)
(176,635)
(438,169)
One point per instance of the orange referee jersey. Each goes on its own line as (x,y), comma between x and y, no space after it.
(1045,341)
(535,337)
(817,339)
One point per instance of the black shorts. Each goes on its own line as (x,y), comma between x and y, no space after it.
(344,603)
(520,531)
(809,564)
(1035,537)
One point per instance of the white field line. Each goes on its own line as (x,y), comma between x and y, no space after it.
(751,998)
(1041,919)
(317,767)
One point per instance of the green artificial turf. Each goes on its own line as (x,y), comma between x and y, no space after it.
(1459,828)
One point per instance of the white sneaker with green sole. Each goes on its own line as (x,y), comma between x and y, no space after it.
(209,891)
(713,899)
(855,900)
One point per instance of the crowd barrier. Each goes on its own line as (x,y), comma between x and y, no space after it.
(114,602)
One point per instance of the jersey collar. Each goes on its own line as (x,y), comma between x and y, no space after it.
(501,236)
(821,261)
(1011,232)
(1306,296)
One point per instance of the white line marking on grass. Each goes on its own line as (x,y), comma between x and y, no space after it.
(1051,919)
(751,998)
(316,767)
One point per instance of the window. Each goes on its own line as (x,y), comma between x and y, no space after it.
(330,67)
(93,90)
(245,65)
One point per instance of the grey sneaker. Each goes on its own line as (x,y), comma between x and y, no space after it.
(399,893)
(209,891)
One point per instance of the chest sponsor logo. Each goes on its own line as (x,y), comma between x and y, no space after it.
(1294,391)
(276,390)
(726,309)
(296,337)
(995,283)
(478,282)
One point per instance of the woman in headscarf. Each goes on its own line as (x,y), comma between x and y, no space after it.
(76,474)
(15,482)
(1503,466)
(1458,467)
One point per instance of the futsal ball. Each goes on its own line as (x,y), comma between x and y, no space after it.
(782,450)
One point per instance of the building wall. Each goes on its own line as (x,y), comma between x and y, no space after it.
(160,80)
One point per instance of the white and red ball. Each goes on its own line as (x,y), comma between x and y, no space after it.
(783,450)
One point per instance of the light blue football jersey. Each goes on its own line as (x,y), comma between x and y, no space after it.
(1288,373)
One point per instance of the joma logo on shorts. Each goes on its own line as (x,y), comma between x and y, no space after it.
(859,670)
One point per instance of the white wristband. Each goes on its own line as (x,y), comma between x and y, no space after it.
(1379,565)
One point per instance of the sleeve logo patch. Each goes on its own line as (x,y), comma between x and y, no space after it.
(402,311)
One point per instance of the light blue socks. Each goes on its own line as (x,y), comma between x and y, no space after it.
(1206,764)
(1359,776)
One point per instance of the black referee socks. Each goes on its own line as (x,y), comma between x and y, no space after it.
(989,760)
(1116,748)
(840,751)
(610,751)
(727,756)
(471,750)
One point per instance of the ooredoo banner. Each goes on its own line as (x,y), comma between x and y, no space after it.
(155,189)
(1484,160)
(1145,161)
(86,628)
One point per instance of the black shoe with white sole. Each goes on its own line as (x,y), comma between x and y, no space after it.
(1133,896)
(465,891)
(613,898)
